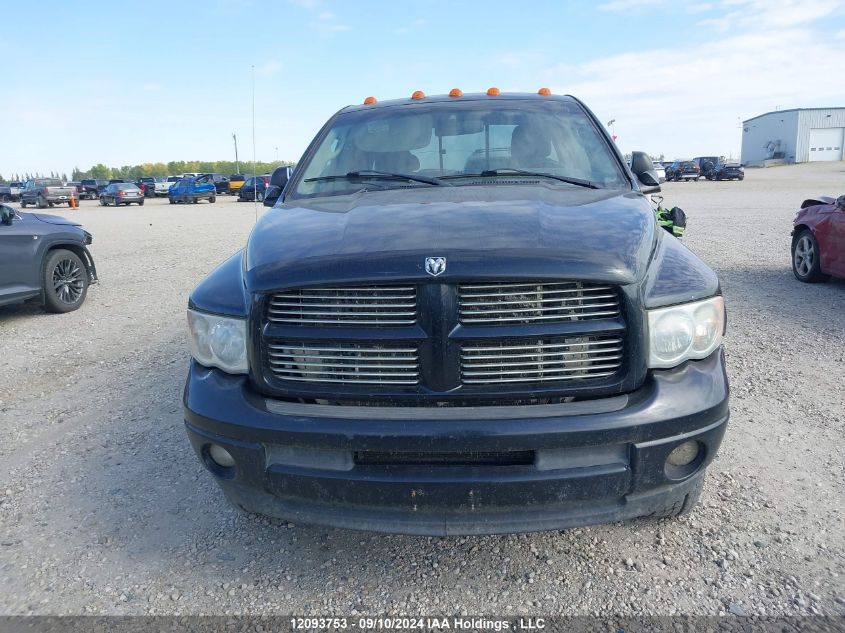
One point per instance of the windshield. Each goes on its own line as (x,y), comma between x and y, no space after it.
(452,141)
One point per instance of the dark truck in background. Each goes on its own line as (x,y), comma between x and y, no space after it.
(46,192)
(91,188)
(461,317)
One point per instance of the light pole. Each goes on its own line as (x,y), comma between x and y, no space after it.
(237,167)
(610,127)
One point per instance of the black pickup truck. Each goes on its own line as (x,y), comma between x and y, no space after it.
(461,316)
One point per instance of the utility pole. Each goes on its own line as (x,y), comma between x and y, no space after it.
(237,167)
(610,127)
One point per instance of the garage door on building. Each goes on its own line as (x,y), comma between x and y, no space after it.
(826,143)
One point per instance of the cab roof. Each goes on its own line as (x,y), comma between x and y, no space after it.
(475,96)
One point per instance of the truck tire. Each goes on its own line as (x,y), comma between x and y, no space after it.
(212,198)
(806,258)
(40,202)
(7,197)
(65,281)
(23,204)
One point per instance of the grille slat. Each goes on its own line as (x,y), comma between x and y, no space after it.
(353,305)
(541,360)
(525,303)
(361,363)
(514,361)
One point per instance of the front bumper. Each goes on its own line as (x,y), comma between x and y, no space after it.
(592,462)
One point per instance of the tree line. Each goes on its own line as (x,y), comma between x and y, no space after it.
(26,176)
(176,167)
(173,168)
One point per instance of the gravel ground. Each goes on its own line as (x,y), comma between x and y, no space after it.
(105,510)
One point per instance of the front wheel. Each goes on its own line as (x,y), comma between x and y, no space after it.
(141,203)
(65,281)
(806,258)
(259,196)
(212,198)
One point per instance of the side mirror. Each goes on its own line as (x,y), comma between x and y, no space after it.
(643,168)
(271,195)
(280,176)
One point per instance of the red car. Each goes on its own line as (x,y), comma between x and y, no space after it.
(818,239)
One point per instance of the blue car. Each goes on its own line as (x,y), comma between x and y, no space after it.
(191,190)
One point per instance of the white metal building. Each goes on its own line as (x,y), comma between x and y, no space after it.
(800,135)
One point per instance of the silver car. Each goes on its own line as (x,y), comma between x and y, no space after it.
(119,193)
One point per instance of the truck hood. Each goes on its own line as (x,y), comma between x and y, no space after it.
(55,219)
(495,231)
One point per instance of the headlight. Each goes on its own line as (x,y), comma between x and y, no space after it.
(218,341)
(679,333)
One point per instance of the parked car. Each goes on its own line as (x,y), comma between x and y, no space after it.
(818,239)
(236,181)
(254,188)
(118,193)
(192,190)
(409,343)
(11,192)
(91,188)
(660,171)
(725,171)
(685,170)
(220,182)
(46,258)
(46,192)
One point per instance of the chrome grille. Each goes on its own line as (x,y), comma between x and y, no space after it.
(345,363)
(541,359)
(350,305)
(507,303)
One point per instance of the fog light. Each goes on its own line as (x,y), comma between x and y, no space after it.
(221,456)
(683,455)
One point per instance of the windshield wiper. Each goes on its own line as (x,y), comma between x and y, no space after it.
(371,173)
(523,172)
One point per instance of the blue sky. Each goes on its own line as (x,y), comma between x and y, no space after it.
(125,83)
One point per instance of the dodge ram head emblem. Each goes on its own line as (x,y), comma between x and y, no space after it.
(435,265)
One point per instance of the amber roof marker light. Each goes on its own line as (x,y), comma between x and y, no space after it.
(493,92)
(370,100)
(545,92)
(418,94)
(456,92)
